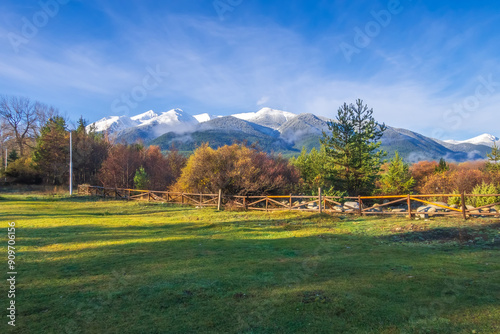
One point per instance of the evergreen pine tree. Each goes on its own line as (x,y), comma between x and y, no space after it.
(398,179)
(493,163)
(353,147)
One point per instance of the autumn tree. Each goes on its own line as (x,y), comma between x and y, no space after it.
(120,166)
(89,151)
(353,145)
(162,170)
(236,169)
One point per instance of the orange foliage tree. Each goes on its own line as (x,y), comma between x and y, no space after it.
(236,169)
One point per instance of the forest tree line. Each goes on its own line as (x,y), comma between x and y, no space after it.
(349,161)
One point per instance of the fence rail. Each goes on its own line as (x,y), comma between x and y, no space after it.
(408,205)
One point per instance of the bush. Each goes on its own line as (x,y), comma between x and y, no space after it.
(484,189)
(236,169)
(141,179)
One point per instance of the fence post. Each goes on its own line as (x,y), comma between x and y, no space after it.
(182,198)
(219,202)
(290,207)
(245,203)
(464,213)
(409,206)
(319,197)
(267,203)
(360,204)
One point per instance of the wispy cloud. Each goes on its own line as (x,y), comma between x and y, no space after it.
(415,70)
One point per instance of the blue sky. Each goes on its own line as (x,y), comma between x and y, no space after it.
(428,66)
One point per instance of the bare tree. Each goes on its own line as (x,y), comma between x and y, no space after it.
(24,118)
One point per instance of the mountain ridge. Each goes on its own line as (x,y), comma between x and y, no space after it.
(274,130)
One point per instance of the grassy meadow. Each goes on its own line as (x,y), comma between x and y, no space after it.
(91,266)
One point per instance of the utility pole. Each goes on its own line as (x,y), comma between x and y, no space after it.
(6,160)
(70,165)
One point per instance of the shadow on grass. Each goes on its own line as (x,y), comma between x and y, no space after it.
(332,283)
(480,235)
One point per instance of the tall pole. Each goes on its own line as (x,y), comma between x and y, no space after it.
(6,160)
(70,165)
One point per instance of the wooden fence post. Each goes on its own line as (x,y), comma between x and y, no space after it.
(245,203)
(290,204)
(267,203)
(409,206)
(464,209)
(360,204)
(319,197)
(219,202)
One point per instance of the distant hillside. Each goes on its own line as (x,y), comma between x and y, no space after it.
(277,131)
(218,138)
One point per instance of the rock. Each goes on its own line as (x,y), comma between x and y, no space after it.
(312,205)
(351,205)
(440,203)
(338,208)
(375,209)
(399,210)
(423,208)
(454,206)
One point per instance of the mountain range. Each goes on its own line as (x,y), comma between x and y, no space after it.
(276,131)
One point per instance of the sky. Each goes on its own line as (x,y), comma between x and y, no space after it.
(429,66)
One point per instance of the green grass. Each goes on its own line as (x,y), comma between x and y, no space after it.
(88,266)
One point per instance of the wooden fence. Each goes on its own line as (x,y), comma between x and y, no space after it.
(361,205)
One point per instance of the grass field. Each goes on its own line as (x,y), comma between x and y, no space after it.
(89,266)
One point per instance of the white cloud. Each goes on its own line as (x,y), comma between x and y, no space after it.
(263,100)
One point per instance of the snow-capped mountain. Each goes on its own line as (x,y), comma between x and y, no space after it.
(175,120)
(274,130)
(205,117)
(271,118)
(484,139)
(113,124)
(144,116)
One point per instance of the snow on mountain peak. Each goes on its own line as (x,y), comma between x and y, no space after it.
(113,124)
(205,117)
(484,139)
(271,118)
(144,116)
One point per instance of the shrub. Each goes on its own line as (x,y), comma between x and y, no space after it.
(141,179)
(236,169)
(484,189)
(397,179)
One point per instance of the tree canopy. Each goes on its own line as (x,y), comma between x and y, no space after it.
(353,145)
